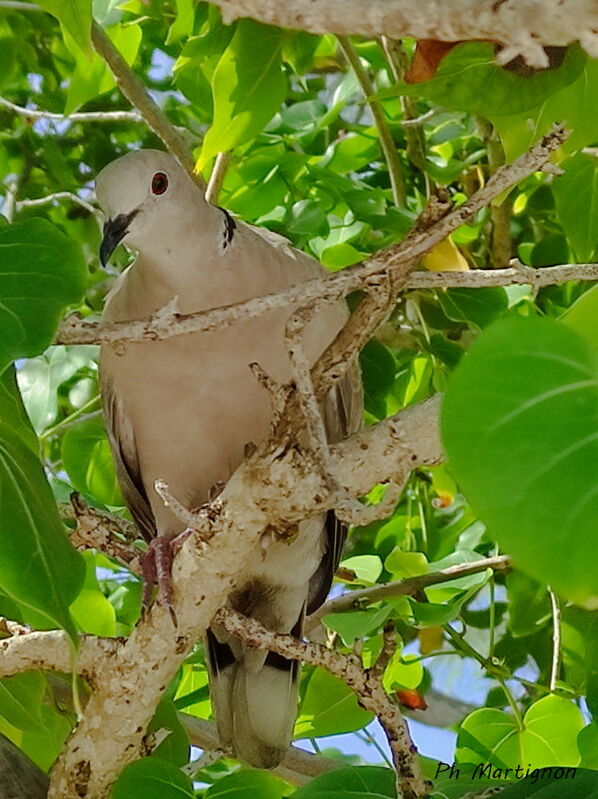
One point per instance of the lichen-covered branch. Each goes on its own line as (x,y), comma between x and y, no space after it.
(269,489)
(396,260)
(523,26)
(366,683)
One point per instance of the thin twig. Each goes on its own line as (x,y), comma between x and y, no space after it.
(53,199)
(217,177)
(408,587)
(556,640)
(191,520)
(87,116)
(389,148)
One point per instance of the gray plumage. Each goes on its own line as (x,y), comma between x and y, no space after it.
(183,410)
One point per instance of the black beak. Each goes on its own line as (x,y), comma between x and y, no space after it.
(114,232)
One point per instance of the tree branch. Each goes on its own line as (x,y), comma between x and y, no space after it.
(272,488)
(366,684)
(408,587)
(389,148)
(396,260)
(524,26)
(90,116)
(139,97)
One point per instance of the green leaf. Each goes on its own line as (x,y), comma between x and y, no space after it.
(41,272)
(92,78)
(355,782)
(353,624)
(183,24)
(20,699)
(525,451)
(548,737)
(245,783)
(587,741)
(175,747)
(403,672)
(91,610)
(152,778)
(39,568)
(87,459)
(478,306)
(367,568)
(529,604)
(12,410)
(569,105)
(248,87)
(75,18)
(469,79)
(583,316)
(576,196)
(570,784)
(329,707)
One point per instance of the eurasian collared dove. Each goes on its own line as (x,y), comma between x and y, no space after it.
(184,408)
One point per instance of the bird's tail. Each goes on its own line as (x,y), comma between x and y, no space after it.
(254,697)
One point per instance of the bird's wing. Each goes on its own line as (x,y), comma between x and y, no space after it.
(122,442)
(342,409)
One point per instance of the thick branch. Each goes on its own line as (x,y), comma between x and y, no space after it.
(396,260)
(524,26)
(271,488)
(50,651)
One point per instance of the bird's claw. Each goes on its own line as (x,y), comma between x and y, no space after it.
(156,567)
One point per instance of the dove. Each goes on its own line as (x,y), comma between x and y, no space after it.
(184,409)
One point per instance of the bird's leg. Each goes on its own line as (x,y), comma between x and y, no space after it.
(156,567)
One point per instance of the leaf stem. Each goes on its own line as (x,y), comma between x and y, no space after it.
(556,639)
(51,431)
(389,148)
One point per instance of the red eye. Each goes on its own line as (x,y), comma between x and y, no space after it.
(159,183)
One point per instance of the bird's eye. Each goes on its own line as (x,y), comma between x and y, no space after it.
(159,183)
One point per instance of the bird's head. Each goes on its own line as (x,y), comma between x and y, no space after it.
(143,194)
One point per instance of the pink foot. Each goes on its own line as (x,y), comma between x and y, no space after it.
(156,567)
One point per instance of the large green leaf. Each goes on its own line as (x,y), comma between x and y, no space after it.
(555,784)
(12,410)
(75,17)
(245,783)
(569,105)
(248,87)
(519,424)
(576,196)
(469,79)
(355,782)
(152,778)
(41,273)
(329,707)
(547,737)
(39,568)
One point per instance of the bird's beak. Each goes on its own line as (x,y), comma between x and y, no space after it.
(114,232)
